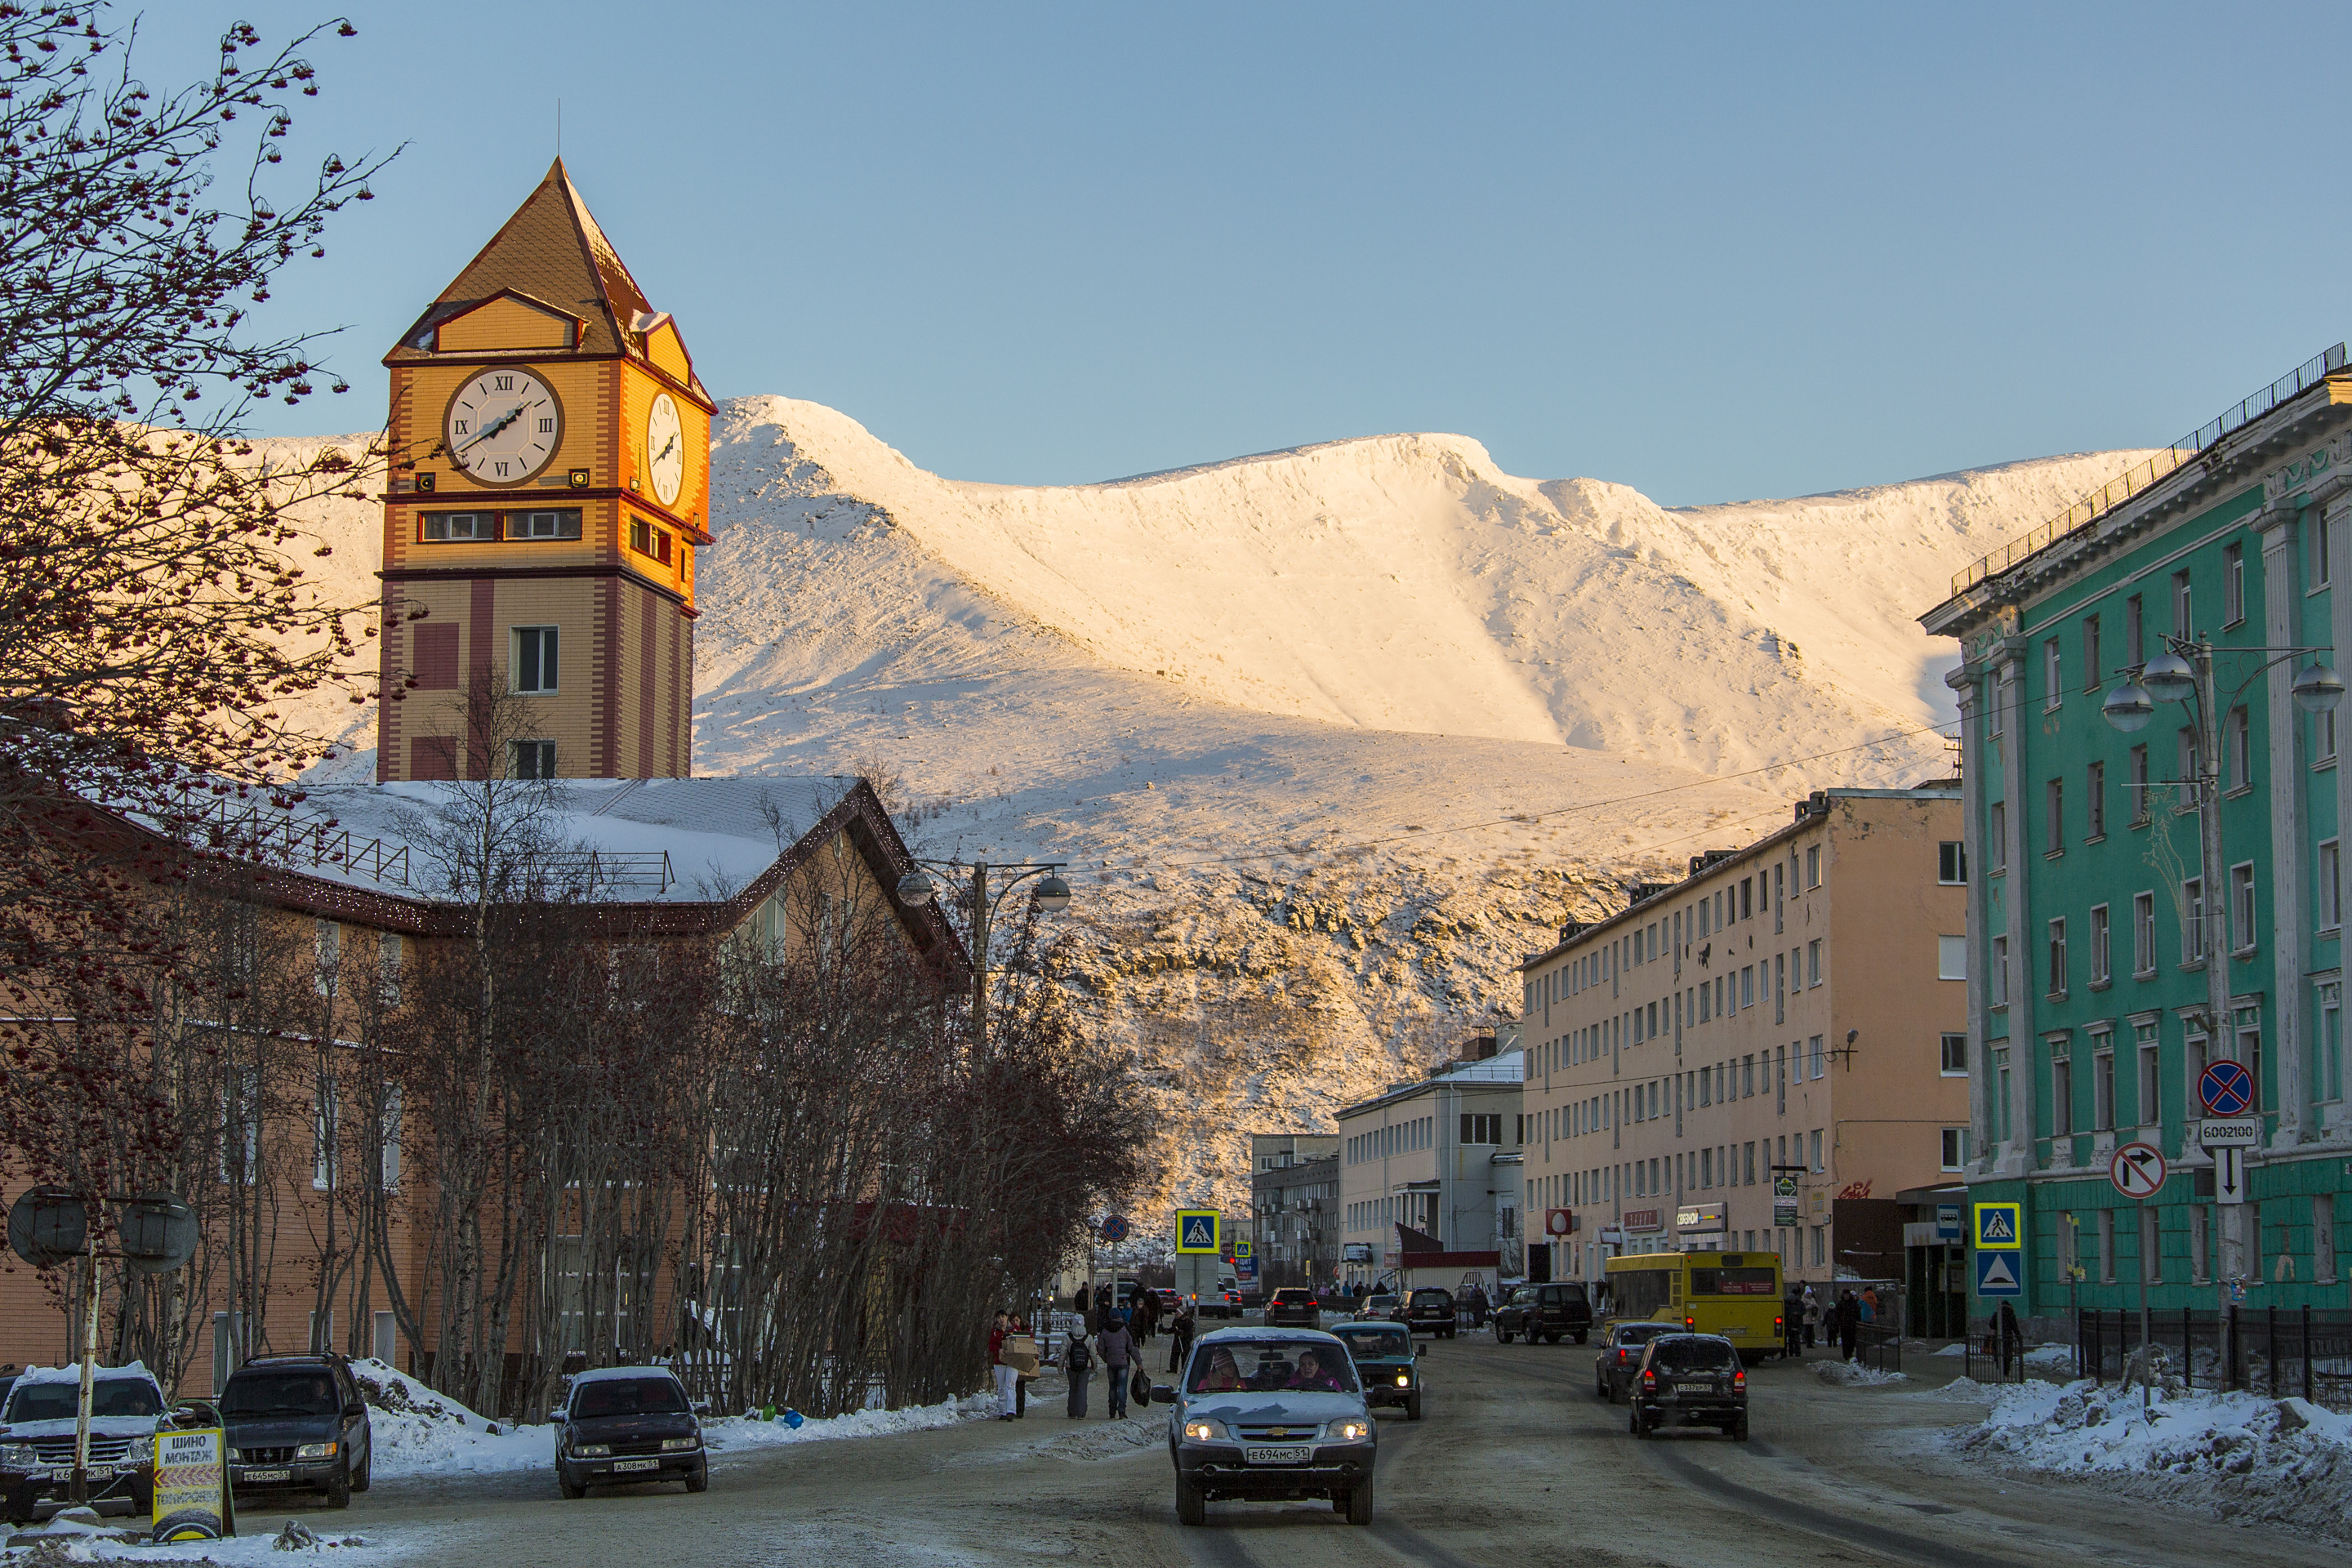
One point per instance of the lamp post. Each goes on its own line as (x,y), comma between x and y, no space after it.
(2184,673)
(917,889)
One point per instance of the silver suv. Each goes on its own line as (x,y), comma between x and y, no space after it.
(37,1440)
(1267,1415)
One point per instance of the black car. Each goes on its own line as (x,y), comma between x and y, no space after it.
(1690,1380)
(1385,1363)
(1429,1311)
(1621,1354)
(1545,1312)
(297,1421)
(1294,1307)
(622,1423)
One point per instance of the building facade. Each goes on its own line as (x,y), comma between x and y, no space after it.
(550,453)
(2146,903)
(1294,1207)
(1790,1008)
(1434,1158)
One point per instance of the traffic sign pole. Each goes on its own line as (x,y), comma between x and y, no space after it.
(2138,1171)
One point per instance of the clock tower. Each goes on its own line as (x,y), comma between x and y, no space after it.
(550,483)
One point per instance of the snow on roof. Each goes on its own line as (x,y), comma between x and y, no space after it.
(620,1374)
(71,1373)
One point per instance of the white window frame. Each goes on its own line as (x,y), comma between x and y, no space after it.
(1944,1054)
(2243,914)
(546,635)
(2053,675)
(2144,935)
(2101,971)
(2327,896)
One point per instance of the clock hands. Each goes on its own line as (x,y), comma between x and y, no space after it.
(509,417)
(667,448)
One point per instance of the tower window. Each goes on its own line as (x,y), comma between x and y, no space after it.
(562,524)
(647,540)
(531,759)
(459,527)
(534,658)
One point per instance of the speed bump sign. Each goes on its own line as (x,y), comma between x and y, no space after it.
(1197,1230)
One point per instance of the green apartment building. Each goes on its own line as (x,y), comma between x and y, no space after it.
(2153,881)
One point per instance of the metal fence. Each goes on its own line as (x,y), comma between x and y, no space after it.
(1880,1345)
(2304,1351)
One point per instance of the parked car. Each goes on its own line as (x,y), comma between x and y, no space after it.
(1295,1306)
(1226,1303)
(623,1424)
(1545,1312)
(1169,1299)
(1269,1415)
(1381,1304)
(1385,1363)
(1690,1380)
(298,1421)
(1430,1311)
(1621,1354)
(37,1440)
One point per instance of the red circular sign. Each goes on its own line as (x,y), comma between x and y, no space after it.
(2137,1170)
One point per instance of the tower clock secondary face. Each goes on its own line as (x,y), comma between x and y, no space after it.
(665,450)
(503,426)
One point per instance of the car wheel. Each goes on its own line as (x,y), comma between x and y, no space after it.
(365,1474)
(338,1489)
(1583,1335)
(1600,1391)
(1739,1430)
(1502,1336)
(1552,1339)
(1191,1507)
(698,1480)
(571,1490)
(1413,1405)
(1359,1502)
(1633,1423)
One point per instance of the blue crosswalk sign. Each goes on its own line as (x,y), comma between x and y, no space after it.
(2000,1227)
(2000,1274)
(1197,1230)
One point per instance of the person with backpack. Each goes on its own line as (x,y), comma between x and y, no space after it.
(1077,1365)
(1115,1345)
(1179,1335)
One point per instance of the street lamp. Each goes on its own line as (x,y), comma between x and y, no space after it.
(1051,894)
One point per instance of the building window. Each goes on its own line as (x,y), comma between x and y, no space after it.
(2054,822)
(2327,898)
(2134,632)
(2192,923)
(2095,801)
(1951,958)
(459,527)
(2058,956)
(2150,1108)
(2106,1247)
(2323,737)
(1482,1128)
(1956,1147)
(647,540)
(2100,974)
(326,953)
(2137,783)
(1812,866)
(2234,584)
(2091,667)
(1997,823)
(2062,1092)
(1996,981)
(1952,863)
(2143,935)
(559,525)
(2329,1078)
(2184,620)
(2000,1096)
(2320,548)
(2241,906)
(1952,1053)
(534,658)
(531,759)
(2242,753)
(1813,1049)
(2053,675)
(2103,1091)
(2192,767)
(1813,962)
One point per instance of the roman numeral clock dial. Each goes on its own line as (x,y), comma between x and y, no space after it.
(503,426)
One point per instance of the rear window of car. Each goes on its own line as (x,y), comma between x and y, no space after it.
(62,1401)
(1692,1355)
(627,1396)
(1639,1333)
(1294,1296)
(1431,1297)
(1376,1342)
(309,1392)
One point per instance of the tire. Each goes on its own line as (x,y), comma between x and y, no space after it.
(338,1489)
(1635,1424)
(1582,1334)
(1502,1336)
(1413,1405)
(1600,1391)
(1739,1430)
(1552,1339)
(1359,1502)
(698,1479)
(572,1493)
(365,1475)
(1191,1507)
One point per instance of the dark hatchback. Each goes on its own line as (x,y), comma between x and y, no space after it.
(625,1423)
(1545,1312)
(1620,1354)
(1690,1380)
(298,1421)
(1385,1363)
(1429,1311)
(1292,1306)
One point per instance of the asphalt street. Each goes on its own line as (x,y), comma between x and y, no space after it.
(1515,1462)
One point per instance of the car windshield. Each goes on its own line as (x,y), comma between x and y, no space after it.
(307,1392)
(1375,1342)
(1232,1365)
(108,1396)
(1525,1296)
(1639,1333)
(1294,1295)
(627,1396)
(1692,1355)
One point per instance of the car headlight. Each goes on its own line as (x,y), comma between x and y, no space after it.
(1404,1380)
(1198,1431)
(679,1445)
(1351,1431)
(19,1456)
(591,1450)
(315,1451)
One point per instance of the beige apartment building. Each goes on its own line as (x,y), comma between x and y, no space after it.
(1430,1168)
(1797,1006)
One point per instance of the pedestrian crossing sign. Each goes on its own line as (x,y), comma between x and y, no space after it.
(2000,1227)
(1197,1230)
(1999,1274)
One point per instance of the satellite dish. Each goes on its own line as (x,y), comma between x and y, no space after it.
(155,1232)
(48,1226)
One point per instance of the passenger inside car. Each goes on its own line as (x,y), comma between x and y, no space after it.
(1311,1373)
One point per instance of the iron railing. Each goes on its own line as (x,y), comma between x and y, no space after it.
(2169,460)
(2301,1350)
(250,827)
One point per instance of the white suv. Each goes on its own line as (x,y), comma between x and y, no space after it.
(37,1440)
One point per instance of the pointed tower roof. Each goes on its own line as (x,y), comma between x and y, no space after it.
(550,251)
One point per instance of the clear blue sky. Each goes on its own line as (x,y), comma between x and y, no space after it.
(1711,251)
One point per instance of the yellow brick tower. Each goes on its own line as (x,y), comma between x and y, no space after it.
(550,482)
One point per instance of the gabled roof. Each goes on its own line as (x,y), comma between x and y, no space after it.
(550,250)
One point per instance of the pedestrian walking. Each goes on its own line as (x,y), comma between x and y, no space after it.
(1146,1315)
(1812,1318)
(1792,1325)
(2013,1338)
(1115,1345)
(1849,1323)
(1179,1336)
(1007,1380)
(1870,1303)
(1077,1365)
(1021,1354)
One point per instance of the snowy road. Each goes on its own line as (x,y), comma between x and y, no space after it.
(1515,1460)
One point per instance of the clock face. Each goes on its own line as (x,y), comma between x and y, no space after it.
(665,450)
(503,426)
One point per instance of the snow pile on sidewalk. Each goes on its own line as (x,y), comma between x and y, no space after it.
(2283,1461)
(741,1433)
(418,1432)
(1855,1375)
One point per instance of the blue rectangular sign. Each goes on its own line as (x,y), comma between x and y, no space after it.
(2000,1274)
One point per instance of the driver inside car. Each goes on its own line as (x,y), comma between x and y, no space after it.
(1311,1375)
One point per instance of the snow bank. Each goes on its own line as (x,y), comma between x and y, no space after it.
(259,1550)
(2282,1461)
(741,1433)
(1855,1375)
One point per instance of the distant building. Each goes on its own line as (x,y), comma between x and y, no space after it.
(1792,1008)
(1431,1168)
(1294,1207)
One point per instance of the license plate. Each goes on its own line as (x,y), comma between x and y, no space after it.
(95,1472)
(1287,1453)
(268,1475)
(1698,1386)
(636,1464)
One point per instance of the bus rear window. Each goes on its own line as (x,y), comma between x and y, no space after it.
(1732,1282)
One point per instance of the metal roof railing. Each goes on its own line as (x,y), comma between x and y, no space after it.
(251,828)
(2118,491)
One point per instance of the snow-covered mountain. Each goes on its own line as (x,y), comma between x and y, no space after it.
(1330,738)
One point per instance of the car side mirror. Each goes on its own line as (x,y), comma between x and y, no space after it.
(702,1407)
(356,1407)
(1162,1394)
